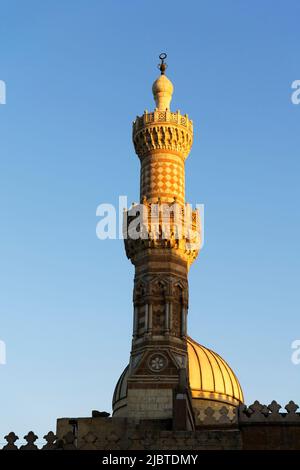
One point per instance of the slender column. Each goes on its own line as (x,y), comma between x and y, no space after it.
(183,322)
(170,315)
(167,324)
(135,321)
(150,318)
(146,317)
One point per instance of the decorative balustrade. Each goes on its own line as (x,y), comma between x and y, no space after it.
(256,413)
(168,226)
(162,117)
(272,413)
(162,130)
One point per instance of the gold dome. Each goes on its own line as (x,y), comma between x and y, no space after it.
(162,90)
(210,377)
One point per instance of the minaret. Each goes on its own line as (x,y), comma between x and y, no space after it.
(171,381)
(158,362)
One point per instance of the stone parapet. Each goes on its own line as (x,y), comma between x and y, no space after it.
(162,130)
(170,229)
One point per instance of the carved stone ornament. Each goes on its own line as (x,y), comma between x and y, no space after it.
(157,362)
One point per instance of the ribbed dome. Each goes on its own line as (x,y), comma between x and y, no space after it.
(120,392)
(210,378)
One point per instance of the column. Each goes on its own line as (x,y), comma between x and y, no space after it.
(167,323)
(146,317)
(150,318)
(135,321)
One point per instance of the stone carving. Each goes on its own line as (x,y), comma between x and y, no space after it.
(50,438)
(157,362)
(158,287)
(148,440)
(178,292)
(11,438)
(176,320)
(135,360)
(162,130)
(224,418)
(90,440)
(181,360)
(274,408)
(165,116)
(158,319)
(209,416)
(257,411)
(271,413)
(30,438)
(139,291)
(112,441)
(186,247)
(159,292)
(216,416)
(69,441)
(291,409)
(142,438)
(169,440)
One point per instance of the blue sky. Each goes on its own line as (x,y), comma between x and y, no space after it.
(77,73)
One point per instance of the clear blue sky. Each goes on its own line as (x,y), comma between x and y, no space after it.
(77,74)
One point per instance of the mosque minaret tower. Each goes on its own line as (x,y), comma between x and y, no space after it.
(169,375)
(174,394)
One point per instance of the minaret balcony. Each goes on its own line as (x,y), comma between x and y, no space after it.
(162,130)
(162,227)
